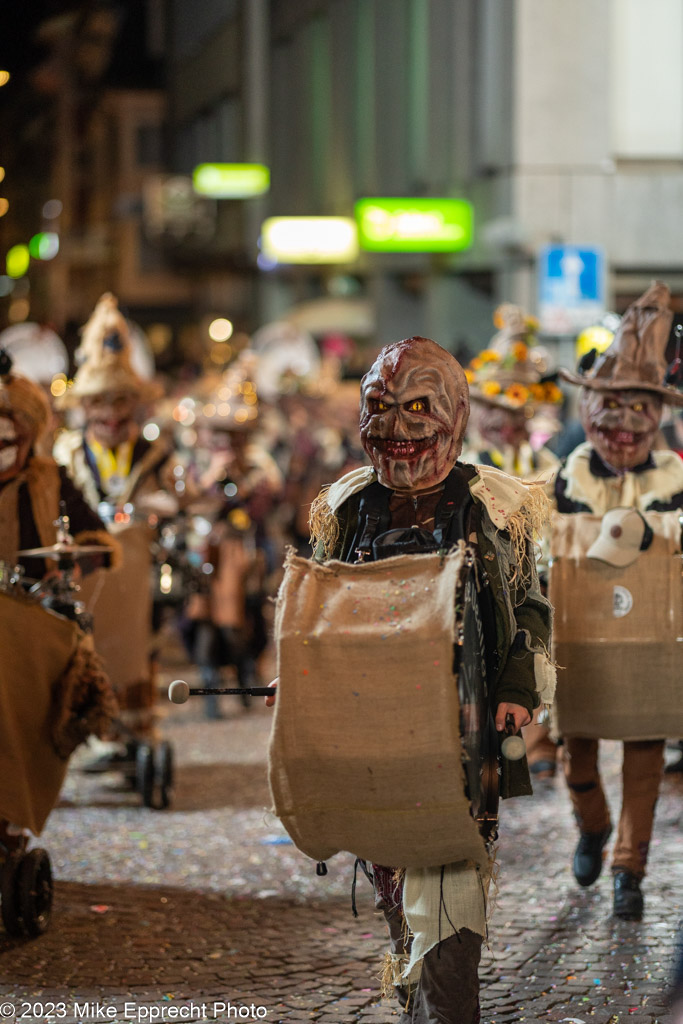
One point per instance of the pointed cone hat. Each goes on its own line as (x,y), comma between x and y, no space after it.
(636,359)
(105,357)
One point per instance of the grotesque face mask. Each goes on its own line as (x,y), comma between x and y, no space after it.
(15,445)
(621,425)
(110,417)
(414,409)
(498,427)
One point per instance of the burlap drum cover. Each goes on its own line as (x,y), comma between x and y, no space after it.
(365,752)
(618,633)
(37,647)
(121,601)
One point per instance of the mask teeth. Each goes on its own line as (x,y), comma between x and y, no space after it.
(7,430)
(8,457)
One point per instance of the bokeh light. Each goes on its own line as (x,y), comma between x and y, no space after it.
(4,206)
(52,209)
(58,385)
(44,246)
(18,311)
(220,329)
(4,77)
(17,260)
(151,431)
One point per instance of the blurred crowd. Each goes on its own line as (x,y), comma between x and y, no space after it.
(205,483)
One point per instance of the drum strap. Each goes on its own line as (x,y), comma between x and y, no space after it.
(373,518)
(451,519)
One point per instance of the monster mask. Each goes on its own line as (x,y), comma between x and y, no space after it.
(500,427)
(621,425)
(414,409)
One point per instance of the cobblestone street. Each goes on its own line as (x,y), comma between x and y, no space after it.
(208,908)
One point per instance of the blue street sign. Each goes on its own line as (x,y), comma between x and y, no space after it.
(571,288)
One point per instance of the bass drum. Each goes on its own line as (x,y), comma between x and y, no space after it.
(37,649)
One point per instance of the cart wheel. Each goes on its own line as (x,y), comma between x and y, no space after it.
(9,895)
(163,774)
(34,888)
(144,774)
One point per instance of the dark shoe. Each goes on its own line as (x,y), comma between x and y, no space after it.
(628,899)
(588,856)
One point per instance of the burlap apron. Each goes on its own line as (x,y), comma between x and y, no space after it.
(365,752)
(36,647)
(121,602)
(618,633)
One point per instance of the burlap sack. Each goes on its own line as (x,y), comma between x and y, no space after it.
(121,601)
(37,647)
(618,633)
(365,752)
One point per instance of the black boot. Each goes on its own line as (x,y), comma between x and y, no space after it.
(628,899)
(588,856)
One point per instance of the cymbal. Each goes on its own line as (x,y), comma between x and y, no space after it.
(57,551)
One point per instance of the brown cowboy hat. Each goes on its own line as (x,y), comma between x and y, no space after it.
(636,359)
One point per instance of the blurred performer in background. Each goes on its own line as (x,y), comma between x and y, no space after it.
(119,473)
(34,490)
(623,392)
(75,699)
(508,385)
(238,483)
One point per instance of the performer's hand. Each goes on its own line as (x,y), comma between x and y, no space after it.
(520,715)
(271,700)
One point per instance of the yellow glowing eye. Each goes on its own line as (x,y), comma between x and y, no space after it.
(611,403)
(416,406)
(381,406)
(637,406)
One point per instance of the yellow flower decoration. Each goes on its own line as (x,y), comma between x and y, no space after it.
(489,356)
(539,392)
(476,363)
(490,387)
(517,394)
(552,392)
(520,351)
(469,376)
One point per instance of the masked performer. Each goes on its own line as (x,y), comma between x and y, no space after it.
(115,467)
(621,402)
(240,483)
(508,382)
(33,489)
(414,410)
(44,655)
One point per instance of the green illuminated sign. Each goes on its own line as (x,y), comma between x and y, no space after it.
(414,225)
(231,181)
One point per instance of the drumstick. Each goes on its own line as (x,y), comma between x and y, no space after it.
(513,747)
(179,691)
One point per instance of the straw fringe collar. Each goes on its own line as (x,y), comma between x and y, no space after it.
(519,507)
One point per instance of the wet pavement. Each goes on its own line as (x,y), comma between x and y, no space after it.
(207,912)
